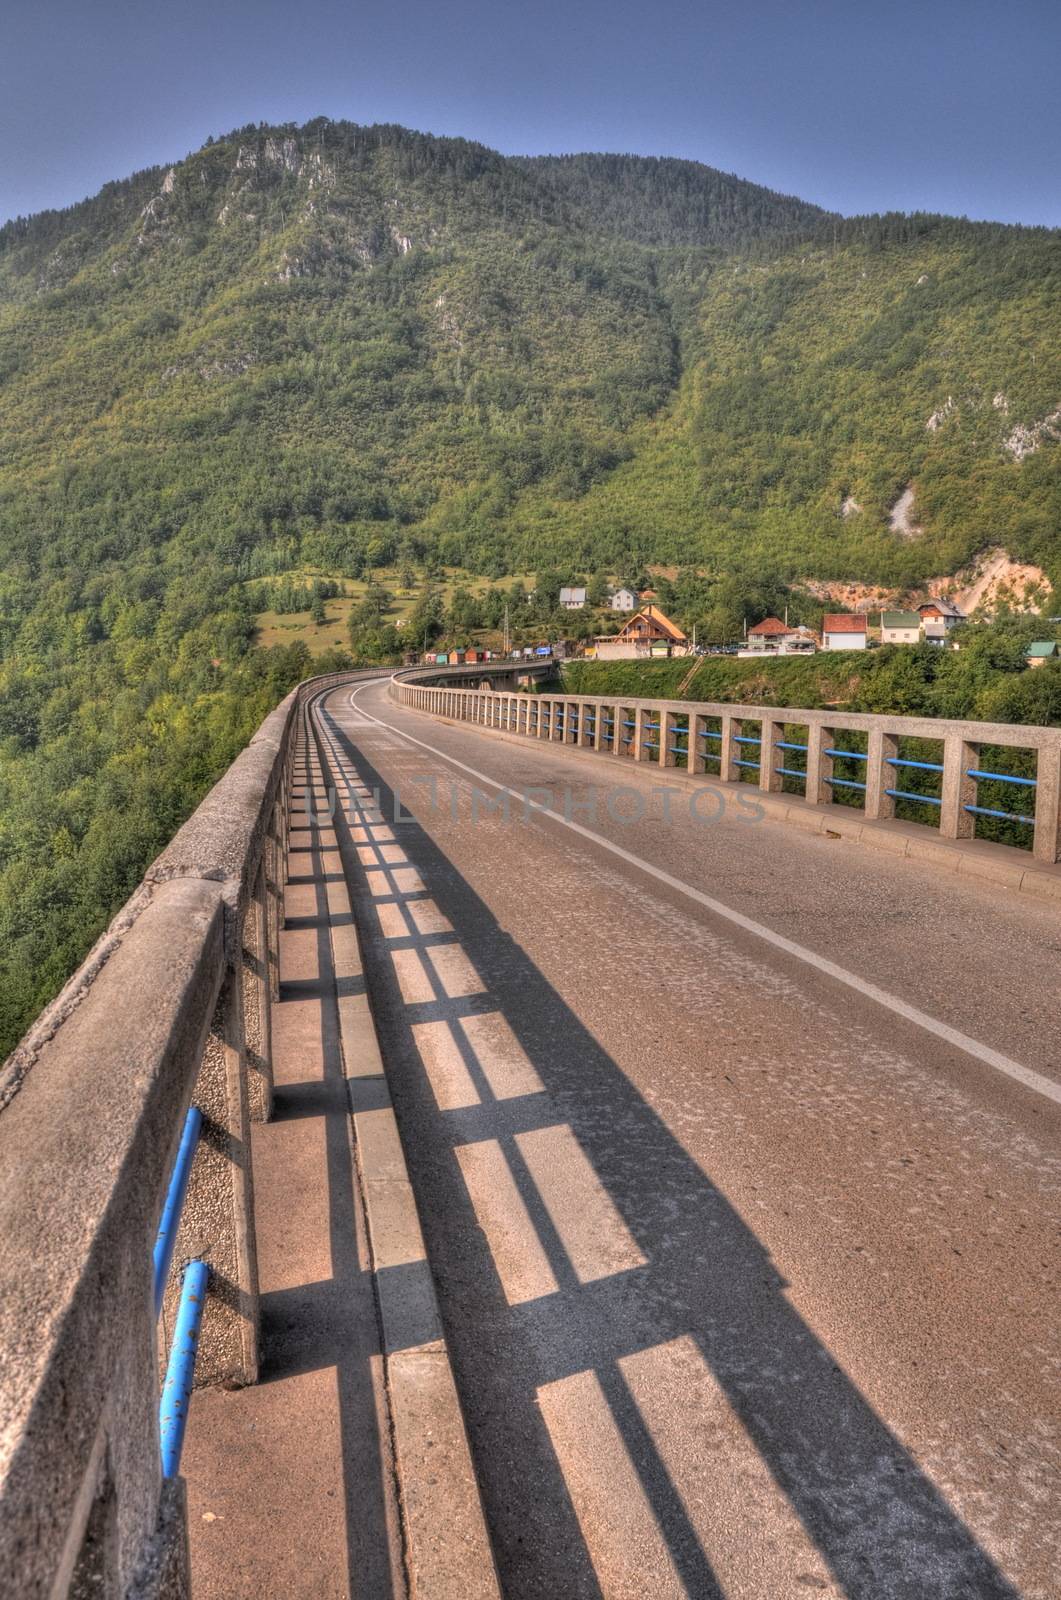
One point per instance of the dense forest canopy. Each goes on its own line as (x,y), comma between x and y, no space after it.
(329,348)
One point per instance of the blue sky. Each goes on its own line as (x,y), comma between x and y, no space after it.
(860,105)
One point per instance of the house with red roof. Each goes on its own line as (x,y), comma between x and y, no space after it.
(843,632)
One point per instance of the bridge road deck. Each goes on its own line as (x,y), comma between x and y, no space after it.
(749,1282)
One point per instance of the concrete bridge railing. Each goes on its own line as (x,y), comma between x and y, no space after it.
(823,755)
(171,1006)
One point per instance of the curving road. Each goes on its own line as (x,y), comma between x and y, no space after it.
(736,1151)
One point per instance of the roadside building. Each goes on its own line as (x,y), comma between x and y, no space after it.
(768,634)
(900,627)
(801,641)
(572,599)
(1042,650)
(772,637)
(841,632)
(622,600)
(648,628)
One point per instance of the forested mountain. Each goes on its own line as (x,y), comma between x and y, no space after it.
(340,346)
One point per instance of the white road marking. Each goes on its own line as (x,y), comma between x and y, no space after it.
(851,980)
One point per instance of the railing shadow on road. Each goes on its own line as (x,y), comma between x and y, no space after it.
(703,1281)
(312,1326)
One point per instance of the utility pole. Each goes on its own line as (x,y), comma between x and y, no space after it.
(507,636)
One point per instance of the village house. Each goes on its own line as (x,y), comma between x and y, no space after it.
(647,633)
(572,599)
(900,627)
(622,600)
(773,637)
(938,617)
(1042,650)
(841,632)
(767,635)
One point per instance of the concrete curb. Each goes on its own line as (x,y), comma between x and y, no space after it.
(448,1551)
(971,858)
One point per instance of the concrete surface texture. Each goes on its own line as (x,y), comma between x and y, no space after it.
(80,1176)
(746,1277)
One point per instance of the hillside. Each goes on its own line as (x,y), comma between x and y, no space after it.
(337,349)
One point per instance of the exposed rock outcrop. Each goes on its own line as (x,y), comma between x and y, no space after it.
(901,519)
(1026,438)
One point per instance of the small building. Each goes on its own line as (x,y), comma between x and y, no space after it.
(456,657)
(766,636)
(772,637)
(572,599)
(938,617)
(1041,650)
(900,627)
(648,628)
(801,641)
(842,632)
(622,600)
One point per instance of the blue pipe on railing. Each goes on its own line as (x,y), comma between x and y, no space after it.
(905,794)
(753,764)
(171,1211)
(1006,816)
(788,744)
(744,738)
(902,761)
(790,772)
(180,1370)
(852,755)
(845,783)
(710,733)
(1004,777)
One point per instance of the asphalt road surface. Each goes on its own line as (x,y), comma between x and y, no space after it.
(743,1221)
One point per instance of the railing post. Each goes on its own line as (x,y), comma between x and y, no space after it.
(881,747)
(667,736)
(694,760)
(217,1225)
(729,750)
(255,968)
(641,716)
(275,903)
(959,790)
(819,765)
(598,726)
(770,780)
(1047,842)
(616,745)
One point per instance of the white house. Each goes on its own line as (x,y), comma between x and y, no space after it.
(623,600)
(841,632)
(900,627)
(572,599)
(938,617)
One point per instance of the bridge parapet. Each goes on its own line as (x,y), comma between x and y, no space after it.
(170,1008)
(816,756)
